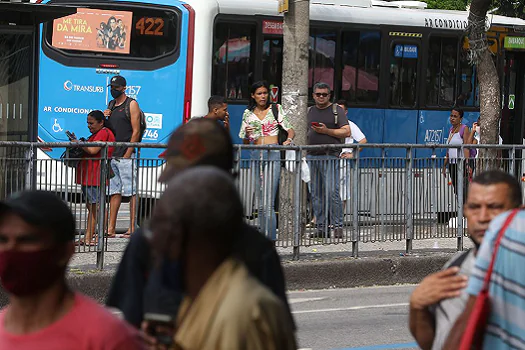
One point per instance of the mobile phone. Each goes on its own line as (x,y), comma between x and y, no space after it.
(69,135)
(162,327)
(316,124)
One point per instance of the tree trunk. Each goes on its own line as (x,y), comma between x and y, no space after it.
(489,87)
(295,103)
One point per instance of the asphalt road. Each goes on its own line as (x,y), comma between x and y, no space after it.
(358,319)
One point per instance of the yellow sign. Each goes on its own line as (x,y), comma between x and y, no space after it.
(283,6)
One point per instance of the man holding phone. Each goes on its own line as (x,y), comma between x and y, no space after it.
(328,125)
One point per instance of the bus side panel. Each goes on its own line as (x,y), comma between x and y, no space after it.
(371,122)
(400,127)
(433,128)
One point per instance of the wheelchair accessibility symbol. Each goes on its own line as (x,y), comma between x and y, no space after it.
(56,125)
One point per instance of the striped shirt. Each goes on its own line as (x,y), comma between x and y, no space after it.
(506,324)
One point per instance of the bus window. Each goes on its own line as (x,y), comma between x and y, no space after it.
(361,60)
(441,72)
(273,66)
(115,32)
(322,58)
(232,60)
(468,94)
(403,75)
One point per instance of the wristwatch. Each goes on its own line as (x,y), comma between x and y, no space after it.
(289,139)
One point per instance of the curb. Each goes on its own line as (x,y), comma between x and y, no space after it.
(337,273)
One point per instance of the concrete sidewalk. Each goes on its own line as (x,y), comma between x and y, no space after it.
(319,267)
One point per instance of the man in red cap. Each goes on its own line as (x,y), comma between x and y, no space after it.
(137,288)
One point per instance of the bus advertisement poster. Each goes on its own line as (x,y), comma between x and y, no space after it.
(93,30)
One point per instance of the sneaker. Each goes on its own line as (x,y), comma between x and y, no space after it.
(338,233)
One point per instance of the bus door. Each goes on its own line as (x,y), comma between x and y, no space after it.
(513,104)
(404,65)
(513,111)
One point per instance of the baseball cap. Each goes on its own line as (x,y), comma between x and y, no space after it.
(199,142)
(117,81)
(42,209)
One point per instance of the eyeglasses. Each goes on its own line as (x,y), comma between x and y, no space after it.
(321,94)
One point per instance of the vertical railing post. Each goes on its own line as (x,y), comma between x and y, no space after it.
(434,182)
(356,178)
(512,156)
(104,171)
(30,178)
(382,194)
(297,222)
(459,191)
(408,201)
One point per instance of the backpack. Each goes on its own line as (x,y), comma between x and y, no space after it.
(472,151)
(142,117)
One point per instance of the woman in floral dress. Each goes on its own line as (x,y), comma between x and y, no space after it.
(260,127)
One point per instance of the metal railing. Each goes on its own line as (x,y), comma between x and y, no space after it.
(298,196)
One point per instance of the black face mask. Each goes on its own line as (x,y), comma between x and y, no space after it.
(116,93)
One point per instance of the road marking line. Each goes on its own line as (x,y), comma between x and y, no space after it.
(303,300)
(350,308)
(384,346)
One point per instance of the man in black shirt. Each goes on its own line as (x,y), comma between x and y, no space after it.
(124,115)
(328,125)
(138,287)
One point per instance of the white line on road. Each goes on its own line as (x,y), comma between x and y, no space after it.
(303,300)
(350,308)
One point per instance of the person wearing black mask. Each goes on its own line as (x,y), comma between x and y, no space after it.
(441,297)
(37,232)
(124,116)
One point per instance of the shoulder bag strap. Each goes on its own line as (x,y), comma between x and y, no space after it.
(275,112)
(336,114)
(496,246)
(111,105)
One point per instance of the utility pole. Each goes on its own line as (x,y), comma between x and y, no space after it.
(295,65)
(296,31)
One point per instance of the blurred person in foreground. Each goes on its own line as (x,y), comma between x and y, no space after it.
(37,232)
(441,297)
(505,324)
(138,287)
(194,227)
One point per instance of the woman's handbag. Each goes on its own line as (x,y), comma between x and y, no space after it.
(72,156)
(477,322)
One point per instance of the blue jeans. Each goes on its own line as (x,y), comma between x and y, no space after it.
(266,170)
(326,200)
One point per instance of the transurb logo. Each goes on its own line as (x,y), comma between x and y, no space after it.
(69,86)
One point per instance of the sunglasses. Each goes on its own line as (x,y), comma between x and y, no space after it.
(321,94)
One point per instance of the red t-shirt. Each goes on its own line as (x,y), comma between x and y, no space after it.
(87,326)
(88,171)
